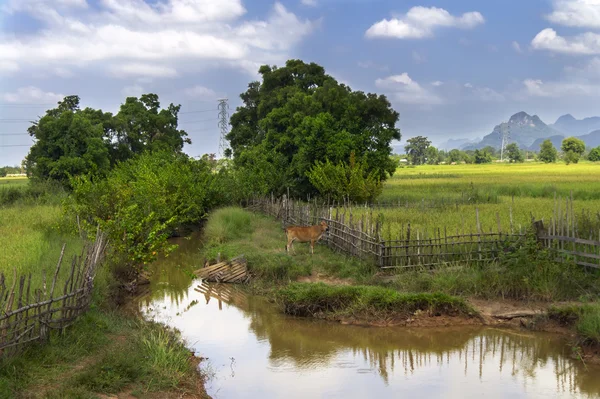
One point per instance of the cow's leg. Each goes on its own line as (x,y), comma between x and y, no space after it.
(312,247)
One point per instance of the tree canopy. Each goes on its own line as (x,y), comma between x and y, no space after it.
(573,148)
(513,152)
(548,153)
(71,141)
(416,149)
(298,115)
(594,154)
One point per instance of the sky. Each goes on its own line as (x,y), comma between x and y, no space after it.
(452,69)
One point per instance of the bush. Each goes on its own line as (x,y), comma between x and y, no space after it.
(39,193)
(143,199)
(585,319)
(594,154)
(345,181)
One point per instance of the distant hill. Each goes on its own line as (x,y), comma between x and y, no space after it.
(457,143)
(570,126)
(556,142)
(524,130)
(591,139)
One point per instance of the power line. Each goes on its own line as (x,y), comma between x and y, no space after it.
(196,112)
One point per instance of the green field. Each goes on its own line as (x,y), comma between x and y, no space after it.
(447,196)
(12,181)
(30,244)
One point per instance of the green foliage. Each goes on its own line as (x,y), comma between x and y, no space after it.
(513,153)
(433,155)
(548,153)
(571,157)
(301,299)
(455,156)
(143,199)
(101,353)
(351,181)
(527,272)
(416,150)
(585,318)
(72,142)
(482,156)
(594,154)
(299,115)
(228,224)
(32,193)
(574,145)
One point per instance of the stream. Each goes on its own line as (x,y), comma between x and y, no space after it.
(253,351)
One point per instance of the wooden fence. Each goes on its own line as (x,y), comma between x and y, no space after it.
(28,314)
(362,237)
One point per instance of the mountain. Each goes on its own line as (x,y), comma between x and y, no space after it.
(523,128)
(556,142)
(570,126)
(456,143)
(591,139)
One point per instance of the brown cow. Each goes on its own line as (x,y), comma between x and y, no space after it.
(310,234)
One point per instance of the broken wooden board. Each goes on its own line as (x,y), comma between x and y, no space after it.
(233,271)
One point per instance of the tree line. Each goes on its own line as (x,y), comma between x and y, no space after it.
(419,151)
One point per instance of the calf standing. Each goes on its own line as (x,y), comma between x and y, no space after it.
(310,234)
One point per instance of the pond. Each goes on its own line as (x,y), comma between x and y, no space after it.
(254,351)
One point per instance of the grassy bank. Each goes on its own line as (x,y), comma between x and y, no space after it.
(365,302)
(104,353)
(233,231)
(584,319)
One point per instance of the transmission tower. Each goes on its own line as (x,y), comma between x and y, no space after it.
(223,125)
(504,133)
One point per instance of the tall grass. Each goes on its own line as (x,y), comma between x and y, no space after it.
(27,193)
(585,318)
(31,242)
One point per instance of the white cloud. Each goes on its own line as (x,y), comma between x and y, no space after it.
(310,3)
(372,65)
(31,95)
(132,91)
(199,92)
(170,31)
(468,85)
(517,47)
(584,44)
(142,70)
(8,66)
(437,83)
(406,90)
(63,72)
(420,22)
(418,58)
(589,71)
(576,13)
(558,89)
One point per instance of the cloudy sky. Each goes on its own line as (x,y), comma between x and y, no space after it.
(453,69)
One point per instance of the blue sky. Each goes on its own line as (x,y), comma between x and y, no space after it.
(453,69)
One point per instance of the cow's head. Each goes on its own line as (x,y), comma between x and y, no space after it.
(324,226)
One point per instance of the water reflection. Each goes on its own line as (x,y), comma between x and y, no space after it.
(257,352)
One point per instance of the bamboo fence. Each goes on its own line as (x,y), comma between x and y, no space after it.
(28,314)
(361,236)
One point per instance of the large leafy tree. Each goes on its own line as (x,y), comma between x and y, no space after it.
(416,149)
(298,115)
(573,148)
(71,141)
(514,153)
(548,153)
(68,144)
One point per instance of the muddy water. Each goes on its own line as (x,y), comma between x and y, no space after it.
(254,351)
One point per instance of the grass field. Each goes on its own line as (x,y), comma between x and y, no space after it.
(495,189)
(30,244)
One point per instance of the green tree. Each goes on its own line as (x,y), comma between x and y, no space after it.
(482,156)
(455,156)
(573,148)
(548,153)
(433,155)
(514,154)
(416,149)
(68,144)
(594,154)
(492,151)
(141,125)
(298,115)
(3,172)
